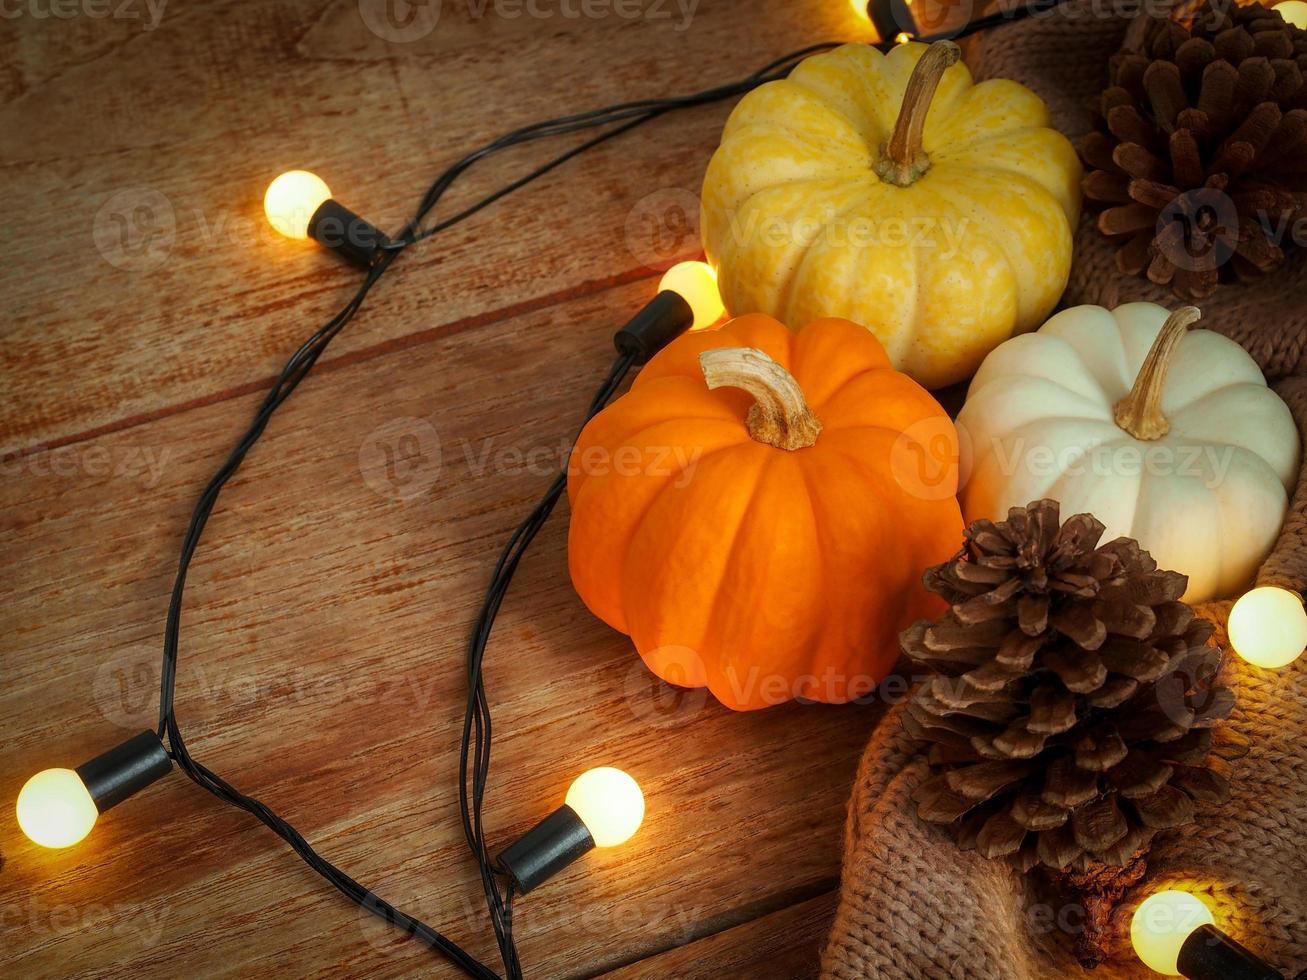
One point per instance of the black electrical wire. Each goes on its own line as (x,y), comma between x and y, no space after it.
(476,723)
(295,370)
(474,762)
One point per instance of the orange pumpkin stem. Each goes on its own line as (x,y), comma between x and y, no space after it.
(903,160)
(780,415)
(1140,412)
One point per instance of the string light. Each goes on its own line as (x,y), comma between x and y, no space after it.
(299,205)
(292,199)
(58,807)
(1162,924)
(696,283)
(891,19)
(609,803)
(1175,934)
(1293,11)
(603,808)
(55,809)
(1268,627)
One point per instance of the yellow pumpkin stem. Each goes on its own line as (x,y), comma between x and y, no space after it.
(780,415)
(903,160)
(1140,412)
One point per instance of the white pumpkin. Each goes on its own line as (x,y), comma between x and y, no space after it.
(1166,435)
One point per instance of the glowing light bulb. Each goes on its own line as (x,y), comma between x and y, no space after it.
(55,808)
(1268,627)
(1293,11)
(902,37)
(609,803)
(291,200)
(1162,924)
(860,10)
(696,283)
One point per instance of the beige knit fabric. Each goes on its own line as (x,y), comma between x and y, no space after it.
(1063,57)
(914,906)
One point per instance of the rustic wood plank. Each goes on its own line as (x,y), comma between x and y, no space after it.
(786,943)
(322,653)
(139,273)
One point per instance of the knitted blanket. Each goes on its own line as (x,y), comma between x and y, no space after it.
(914,906)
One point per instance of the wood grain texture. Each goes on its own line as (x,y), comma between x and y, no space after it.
(145,306)
(322,648)
(140,274)
(786,943)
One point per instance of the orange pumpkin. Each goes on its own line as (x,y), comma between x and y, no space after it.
(757,511)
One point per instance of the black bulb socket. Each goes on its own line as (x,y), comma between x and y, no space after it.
(546,849)
(891,18)
(659,322)
(355,239)
(124,770)
(1209,954)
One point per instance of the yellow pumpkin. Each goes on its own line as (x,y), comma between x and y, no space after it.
(758,510)
(892,191)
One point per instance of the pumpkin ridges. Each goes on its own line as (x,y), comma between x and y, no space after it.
(827,77)
(1013,229)
(766,226)
(830,268)
(995,108)
(837,345)
(628,419)
(911,529)
(800,279)
(763,105)
(1056,351)
(674,571)
(772,566)
(603,518)
(1167,509)
(1042,156)
(802,589)
(681,359)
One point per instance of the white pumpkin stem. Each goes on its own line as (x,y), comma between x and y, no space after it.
(903,159)
(1140,412)
(780,415)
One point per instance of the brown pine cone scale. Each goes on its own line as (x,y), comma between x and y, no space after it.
(1075,703)
(1199,156)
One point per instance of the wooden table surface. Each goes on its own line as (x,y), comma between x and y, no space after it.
(145,310)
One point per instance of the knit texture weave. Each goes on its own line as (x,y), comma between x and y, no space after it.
(914,906)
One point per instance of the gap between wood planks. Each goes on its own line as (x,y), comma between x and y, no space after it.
(776,937)
(591,287)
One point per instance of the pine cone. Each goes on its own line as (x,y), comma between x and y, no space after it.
(1200,153)
(1072,713)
